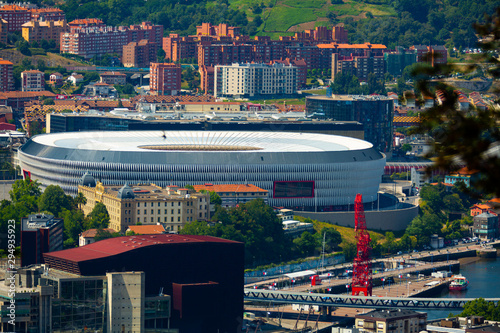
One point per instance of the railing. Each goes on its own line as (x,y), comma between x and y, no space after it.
(357,301)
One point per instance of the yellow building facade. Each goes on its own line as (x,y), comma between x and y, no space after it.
(171,207)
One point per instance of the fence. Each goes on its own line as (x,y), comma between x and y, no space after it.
(269,273)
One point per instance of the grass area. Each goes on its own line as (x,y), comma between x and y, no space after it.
(280,15)
(50,59)
(347,233)
(282,18)
(317,92)
(354,8)
(288,101)
(304,4)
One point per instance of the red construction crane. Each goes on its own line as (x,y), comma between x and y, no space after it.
(362,268)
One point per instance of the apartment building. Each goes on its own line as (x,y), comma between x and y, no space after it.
(16,16)
(113,78)
(249,80)
(32,80)
(139,54)
(47,14)
(172,207)
(393,320)
(145,30)
(48,30)
(88,22)
(88,38)
(207,29)
(432,54)
(4,30)
(359,66)
(177,47)
(396,61)
(301,69)
(165,78)
(6,75)
(210,54)
(207,76)
(93,41)
(339,34)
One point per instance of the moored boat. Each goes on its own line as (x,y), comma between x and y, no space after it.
(459,282)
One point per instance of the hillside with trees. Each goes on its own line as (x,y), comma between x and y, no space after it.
(391,22)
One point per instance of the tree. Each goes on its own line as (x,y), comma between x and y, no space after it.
(35,128)
(104,234)
(24,48)
(98,217)
(468,138)
(54,200)
(349,251)
(215,199)
(23,188)
(74,222)
(306,244)
(423,227)
(48,101)
(80,200)
(332,239)
(479,307)
(160,55)
(406,148)
(253,223)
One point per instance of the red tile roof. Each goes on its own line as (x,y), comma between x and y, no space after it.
(147,229)
(241,188)
(91,233)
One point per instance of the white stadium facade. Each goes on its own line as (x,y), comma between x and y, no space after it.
(300,170)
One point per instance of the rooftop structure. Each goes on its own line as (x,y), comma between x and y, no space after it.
(384,321)
(40,234)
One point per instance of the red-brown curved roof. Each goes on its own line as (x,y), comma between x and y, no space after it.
(114,246)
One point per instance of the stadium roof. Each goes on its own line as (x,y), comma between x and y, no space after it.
(114,246)
(158,141)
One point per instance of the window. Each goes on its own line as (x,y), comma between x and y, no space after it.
(145,211)
(172,219)
(138,212)
(151,219)
(172,211)
(159,211)
(179,211)
(179,219)
(151,204)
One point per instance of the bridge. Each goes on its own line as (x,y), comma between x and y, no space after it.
(283,297)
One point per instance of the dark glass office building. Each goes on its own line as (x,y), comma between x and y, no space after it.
(374,112)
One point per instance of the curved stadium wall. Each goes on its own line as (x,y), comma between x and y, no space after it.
(298,169)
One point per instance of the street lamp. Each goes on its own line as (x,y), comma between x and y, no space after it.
(383,283)
(347,288)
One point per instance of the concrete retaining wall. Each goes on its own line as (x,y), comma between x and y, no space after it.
(375,220)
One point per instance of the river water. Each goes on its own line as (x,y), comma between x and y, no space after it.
(482,276)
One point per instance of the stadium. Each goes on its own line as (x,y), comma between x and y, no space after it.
(300,170)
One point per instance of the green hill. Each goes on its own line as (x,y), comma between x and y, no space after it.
(390,22)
